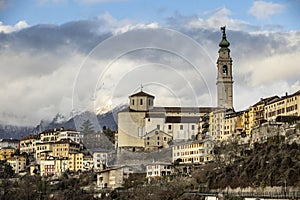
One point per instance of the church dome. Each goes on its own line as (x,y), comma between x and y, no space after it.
(224,44)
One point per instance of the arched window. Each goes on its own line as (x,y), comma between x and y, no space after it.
(225,70)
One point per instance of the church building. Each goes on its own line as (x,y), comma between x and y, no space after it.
(142,126)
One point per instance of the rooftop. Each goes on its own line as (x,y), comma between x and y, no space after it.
(142,94)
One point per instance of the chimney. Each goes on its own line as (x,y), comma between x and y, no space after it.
(286,94)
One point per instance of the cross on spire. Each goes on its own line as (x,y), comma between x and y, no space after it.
(141,87)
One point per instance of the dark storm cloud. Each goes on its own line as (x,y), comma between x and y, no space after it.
(79,35)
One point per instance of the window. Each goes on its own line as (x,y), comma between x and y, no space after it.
(158,143)
(132,102)
(158,126)
(141,101)
(181,127)
(149,102)
(157,137)
(170,127)
(193,127)
(165,139)
(225,70)
(148,138)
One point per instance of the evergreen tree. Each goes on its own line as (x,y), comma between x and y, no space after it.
(87,127)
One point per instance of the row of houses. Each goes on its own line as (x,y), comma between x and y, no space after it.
(224,124)
(52,152)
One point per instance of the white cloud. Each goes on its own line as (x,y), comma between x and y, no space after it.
(122,26)
(41,74)
(8,28)
(218,18)
(275,67)
(129,27)
(295,86)
(263,9)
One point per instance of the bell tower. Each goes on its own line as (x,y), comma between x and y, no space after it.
(224,79)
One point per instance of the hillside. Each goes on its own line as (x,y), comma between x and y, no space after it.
(273,163)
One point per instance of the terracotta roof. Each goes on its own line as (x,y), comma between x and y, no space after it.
(142,94)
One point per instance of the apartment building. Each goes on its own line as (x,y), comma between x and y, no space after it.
(9,143)
(158,169)
(28,144)
(64,147)
(195,152)
(6,152)
(18,163)
(75,162)
(112,178)
(288,105)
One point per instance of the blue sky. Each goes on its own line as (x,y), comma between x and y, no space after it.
(62,11)
(61,56)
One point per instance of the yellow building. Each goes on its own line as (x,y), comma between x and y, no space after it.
(63,148)
(288,105)
(222,124)
(197,152)
(18,163)
(49,135)
(75,162)
(42,150)
(6,153)
(28,144)
(257,111)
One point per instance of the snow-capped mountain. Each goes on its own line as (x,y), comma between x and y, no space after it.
(108,119)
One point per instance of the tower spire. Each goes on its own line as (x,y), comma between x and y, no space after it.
(224,44)
(224,79)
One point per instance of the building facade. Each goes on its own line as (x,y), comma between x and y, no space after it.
(18,163)
(158,169)
(194,152)
(113,177)
(137,128)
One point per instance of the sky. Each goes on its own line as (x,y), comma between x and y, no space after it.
(68,56)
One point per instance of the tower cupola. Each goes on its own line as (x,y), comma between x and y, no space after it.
(141,101)
(224,44)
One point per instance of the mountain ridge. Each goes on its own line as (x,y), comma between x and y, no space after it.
(108,119)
